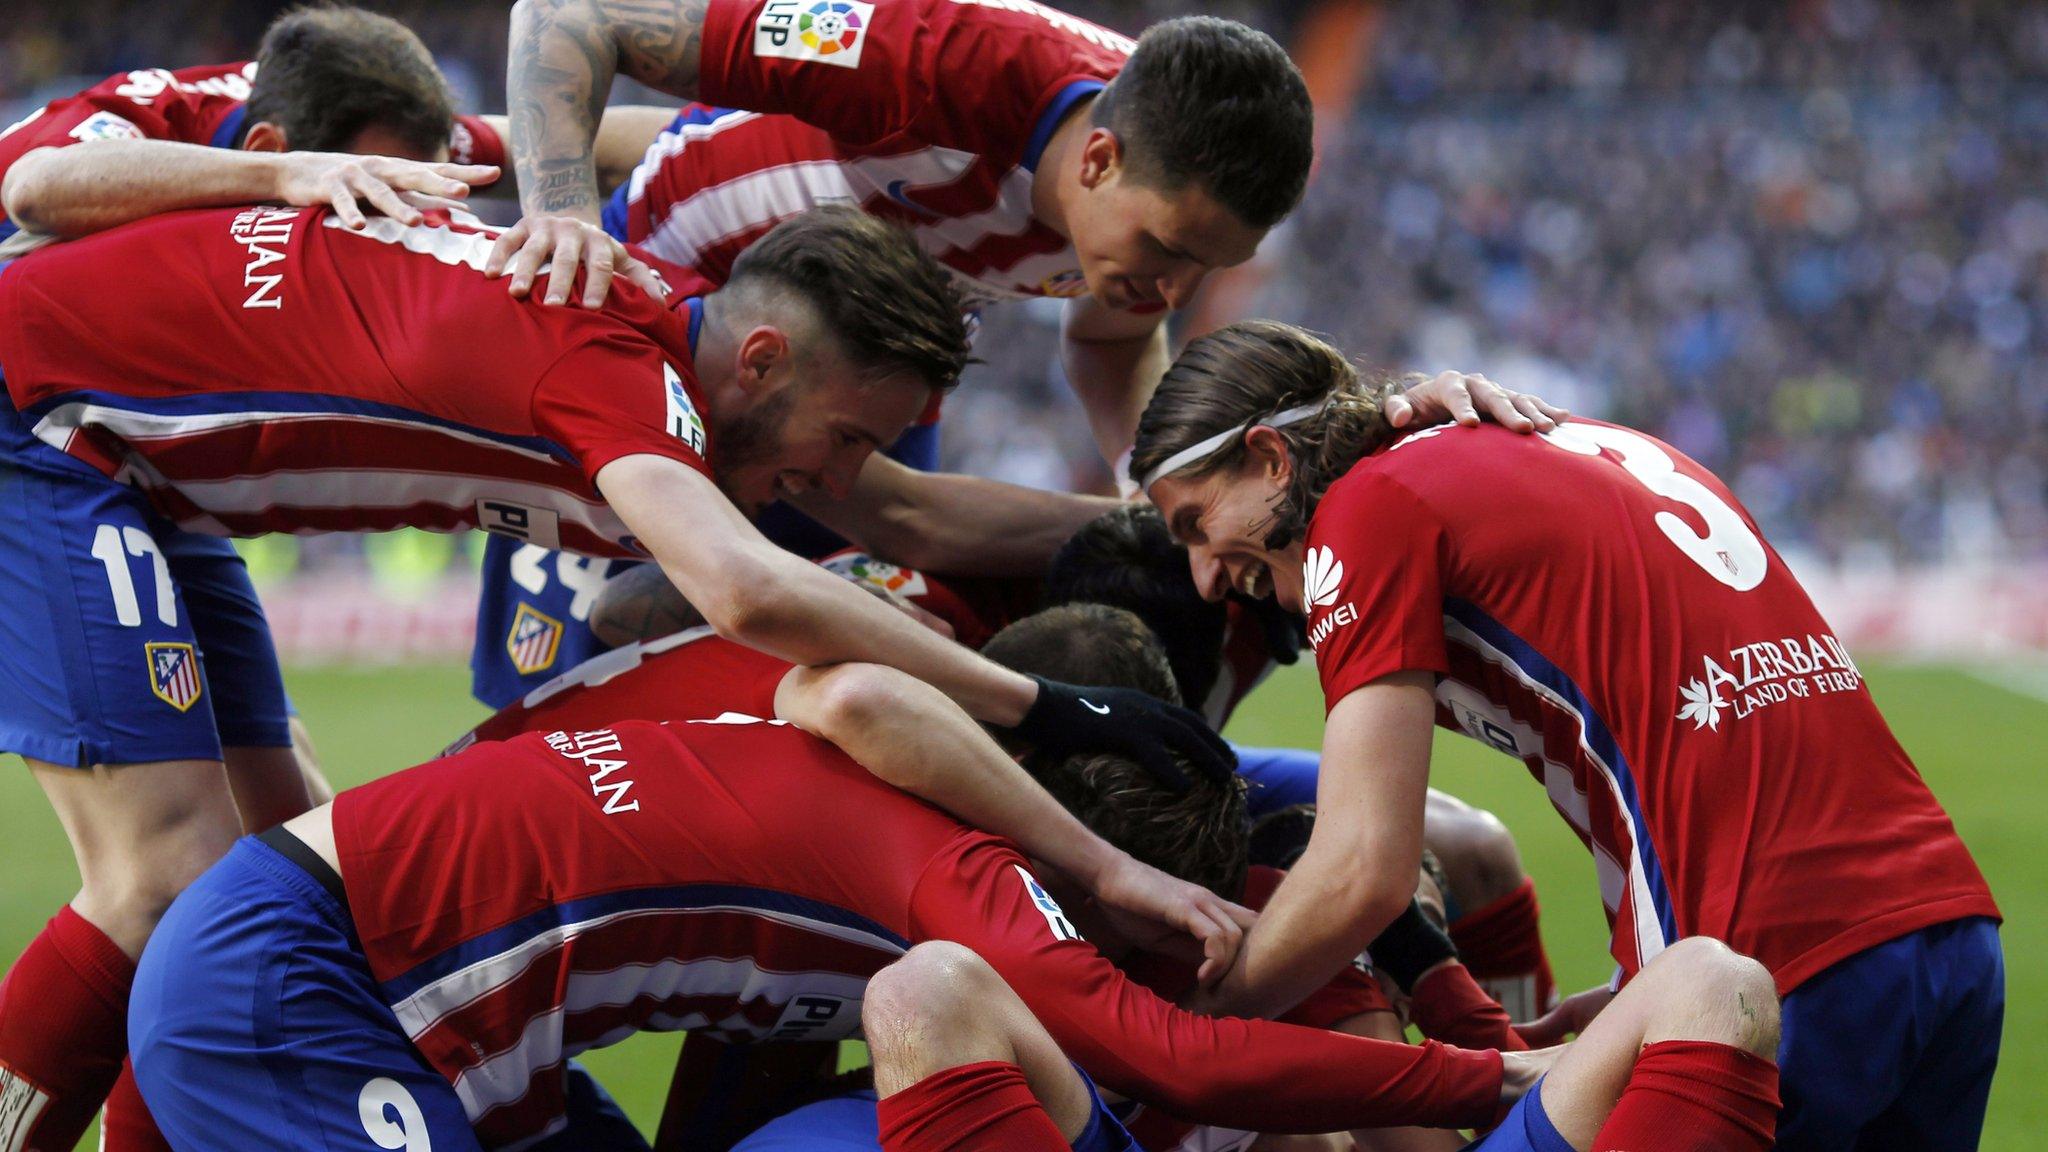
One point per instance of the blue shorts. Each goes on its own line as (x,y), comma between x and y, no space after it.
(255,1023)
(848,1124)
(1526,1129)
(1280,777)
(123,639)
(1894,1047)
(533,619)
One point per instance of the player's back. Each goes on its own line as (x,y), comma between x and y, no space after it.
(1613,617)
(224,358)
(522,901)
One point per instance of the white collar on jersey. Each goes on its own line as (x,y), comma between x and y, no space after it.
(1202,449)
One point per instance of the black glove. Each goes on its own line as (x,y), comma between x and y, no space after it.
(1069,718)
(1410,946)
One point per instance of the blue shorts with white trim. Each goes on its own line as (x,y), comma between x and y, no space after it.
(1526,1129)
(123,639)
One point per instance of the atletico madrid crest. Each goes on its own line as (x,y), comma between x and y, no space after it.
(535,638)
(174,674)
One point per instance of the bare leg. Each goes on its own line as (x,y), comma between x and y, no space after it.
(1697,989)
(942,1007)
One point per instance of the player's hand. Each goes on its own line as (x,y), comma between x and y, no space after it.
(1468,398)
(1568,1019)
(1171,912)
(1068,718)
(1519,1071)
(396,188)
(557,246)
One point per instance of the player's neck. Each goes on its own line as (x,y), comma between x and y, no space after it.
(715,358)
(1059,170)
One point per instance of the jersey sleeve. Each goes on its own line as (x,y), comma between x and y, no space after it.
(1249,1074)
(1373,576)
(188,107)
(617,395)
(474,141)
(865,72)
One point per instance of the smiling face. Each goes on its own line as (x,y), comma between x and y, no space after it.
(810,433)
(1144,247)
(1224,518)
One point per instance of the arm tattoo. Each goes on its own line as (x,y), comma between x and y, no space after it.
(641,604)
(563,56)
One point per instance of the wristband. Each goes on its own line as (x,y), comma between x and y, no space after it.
(1410,946)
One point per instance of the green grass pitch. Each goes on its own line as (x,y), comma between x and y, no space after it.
(1980,747)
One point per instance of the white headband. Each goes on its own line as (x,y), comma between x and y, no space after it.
(1202,448)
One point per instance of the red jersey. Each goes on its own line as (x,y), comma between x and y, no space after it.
(204,105)
(521,902)
(1600,607)
(277,372)
(932,113)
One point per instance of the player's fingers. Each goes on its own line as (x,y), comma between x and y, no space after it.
(385,199)
(528,262)
(562,270)
(651,283)
(1532,409)
(1160,766)
(468,175)
(509,241)
(343,198)
(1459,400)
(598,268)
(427,202)
(1500,404)
(1399,411)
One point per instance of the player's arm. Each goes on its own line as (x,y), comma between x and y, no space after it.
(624,134)
(1254,1075)
(1385,1026)
(759,595)
(1113,362)
(81,189)
(1358,872)
(907,733)
(946,522)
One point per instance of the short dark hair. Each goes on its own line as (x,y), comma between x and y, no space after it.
(1199,835)
(892,307)
(1215,103)
(324,75)
(1127,559)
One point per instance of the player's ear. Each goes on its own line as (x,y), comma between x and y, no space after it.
(1102,155)
(762,350)
(1266,450)
(263,136)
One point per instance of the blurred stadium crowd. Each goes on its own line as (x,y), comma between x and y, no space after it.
(1803,241)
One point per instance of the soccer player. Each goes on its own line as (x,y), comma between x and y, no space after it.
(1600,607)
(1220,652)
(280,371)
(341,107)
(1035,154)
(327,83)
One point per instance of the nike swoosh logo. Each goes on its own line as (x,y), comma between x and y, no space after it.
(895,192)
(1098,709)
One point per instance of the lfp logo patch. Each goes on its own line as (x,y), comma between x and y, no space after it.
(683,422)
(823,31)
(533,641)
(174,674)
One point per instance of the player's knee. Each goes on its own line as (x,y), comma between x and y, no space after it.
(924,1012)
(1721,995)
(1477,851)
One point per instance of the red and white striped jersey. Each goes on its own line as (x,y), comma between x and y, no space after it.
(203,105)
(268,370)
(932,113)
(1601,608)
(523,901)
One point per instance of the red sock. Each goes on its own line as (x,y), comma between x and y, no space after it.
(126,1125)
(63,1034)
(967,1109)
(1452,1009)
(1692,1096)
(1502,946)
